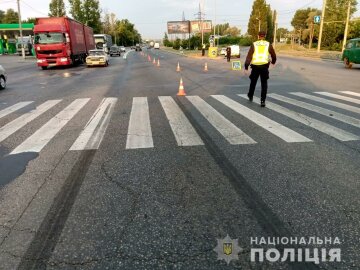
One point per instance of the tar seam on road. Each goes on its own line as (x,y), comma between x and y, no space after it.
(266,218)
(46,238)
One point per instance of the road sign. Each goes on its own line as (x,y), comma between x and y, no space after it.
(236,65)
(213,52)
(317,19)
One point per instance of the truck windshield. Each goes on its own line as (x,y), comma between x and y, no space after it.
(100,41)
(49,38)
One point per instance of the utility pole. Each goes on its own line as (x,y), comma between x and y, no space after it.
(275,28)
(21,34)
(346,26)
(202,22)
(321,25)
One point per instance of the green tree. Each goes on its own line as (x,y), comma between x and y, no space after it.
(354,31)
(127,33)
(335,15)
(166,41)
(232,31)
(11,16)
(76,10)
(87,12)
(2,15)
(92,14)
(29,20)
(221,28)
(281,33)
(57,8)
(270,25)
(258,18)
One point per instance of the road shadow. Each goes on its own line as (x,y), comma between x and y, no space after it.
(12,166)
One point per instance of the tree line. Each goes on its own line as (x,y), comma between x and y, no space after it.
(306,31)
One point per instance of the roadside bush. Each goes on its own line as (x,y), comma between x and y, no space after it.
(177,44)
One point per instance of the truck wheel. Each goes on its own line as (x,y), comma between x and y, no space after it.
(2,82)
(347,63)
(44,68)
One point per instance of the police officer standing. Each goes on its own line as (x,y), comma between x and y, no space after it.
(228,53)
(258,59)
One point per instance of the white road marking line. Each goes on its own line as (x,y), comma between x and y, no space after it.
(232,133)
(139,132)
(182,129)
(349,99)
(351,93)
(330,130)
(94,131)
(37,141)
(332,114)
(14,108)
(275,128)
(328,102)
(21,121)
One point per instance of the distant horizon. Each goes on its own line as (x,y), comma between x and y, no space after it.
(151,20)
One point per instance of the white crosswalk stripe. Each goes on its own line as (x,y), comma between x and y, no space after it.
(139,131)
(328,102)
(231,133)
(183,131)
(94,131)
(273,127)
(332,114)
(332,131)
(351,93)
(26,118)
(37,141)
(349,99)
(14,108)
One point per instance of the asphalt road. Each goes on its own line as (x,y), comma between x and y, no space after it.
(107,168)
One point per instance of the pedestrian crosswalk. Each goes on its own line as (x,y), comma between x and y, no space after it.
(139,134)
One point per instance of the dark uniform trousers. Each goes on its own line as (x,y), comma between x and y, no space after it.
(263,72)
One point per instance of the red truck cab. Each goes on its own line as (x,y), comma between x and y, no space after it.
(61,41)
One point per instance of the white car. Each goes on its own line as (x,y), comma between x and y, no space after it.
(157,46)
(122,49)
(223,51)
(3,77)
(235,51)
(97,58)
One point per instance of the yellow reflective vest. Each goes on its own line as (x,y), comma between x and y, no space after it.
(261,53)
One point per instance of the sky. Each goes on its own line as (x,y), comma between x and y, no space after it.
(150,16)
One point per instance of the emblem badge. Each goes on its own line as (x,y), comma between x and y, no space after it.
(227,249)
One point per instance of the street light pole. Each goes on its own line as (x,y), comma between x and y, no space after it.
(21,34)
(321,25)
(346,26)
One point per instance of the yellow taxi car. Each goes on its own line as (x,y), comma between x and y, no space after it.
(97,58)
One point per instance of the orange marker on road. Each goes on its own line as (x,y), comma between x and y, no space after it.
(206,67)
(178,67)
(158,63)
(154,61)
(181,88)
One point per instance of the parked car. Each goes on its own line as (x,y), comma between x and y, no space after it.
(122,49)
(157,46)
(97,58)
(3,77)
(351,54)
(235,51)
(115,50)
(138,48)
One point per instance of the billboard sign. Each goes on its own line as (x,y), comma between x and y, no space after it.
(196,26)
(178,27)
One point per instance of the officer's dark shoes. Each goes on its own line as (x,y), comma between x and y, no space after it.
(250,98)
(262,104)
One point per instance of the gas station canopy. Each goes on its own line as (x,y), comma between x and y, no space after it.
(15,26)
